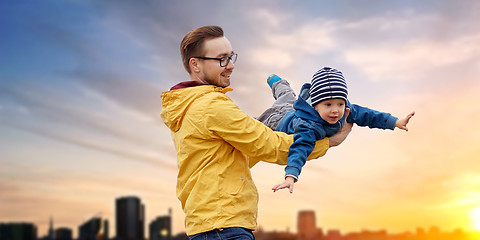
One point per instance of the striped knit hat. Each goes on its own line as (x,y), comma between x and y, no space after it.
(328,83)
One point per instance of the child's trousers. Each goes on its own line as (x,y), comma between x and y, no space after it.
(285,97)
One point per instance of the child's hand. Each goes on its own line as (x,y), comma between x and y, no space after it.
(402,123)
(289,182)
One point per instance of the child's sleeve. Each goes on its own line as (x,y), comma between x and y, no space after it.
(303,144)
(366,117)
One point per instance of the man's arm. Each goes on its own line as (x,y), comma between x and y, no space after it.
(249,136)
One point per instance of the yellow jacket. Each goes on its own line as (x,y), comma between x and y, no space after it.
(216,145)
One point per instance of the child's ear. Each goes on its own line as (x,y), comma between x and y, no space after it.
(347,112)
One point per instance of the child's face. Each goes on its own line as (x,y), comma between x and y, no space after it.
(331,110)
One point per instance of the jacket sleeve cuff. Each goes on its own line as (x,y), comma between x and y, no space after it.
(293,176)
(391,122)
(292,171)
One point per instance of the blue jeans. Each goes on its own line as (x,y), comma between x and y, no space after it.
(232,233)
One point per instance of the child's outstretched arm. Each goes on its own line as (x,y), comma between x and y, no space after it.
(402,123)
(288,183)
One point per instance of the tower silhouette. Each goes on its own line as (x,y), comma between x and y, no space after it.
(306,225)
(63,233)
(51,231)
(161,227)
(130,218)
(95,228)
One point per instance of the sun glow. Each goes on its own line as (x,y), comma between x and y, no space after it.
(475,217)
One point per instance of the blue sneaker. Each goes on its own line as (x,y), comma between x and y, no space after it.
(272,79)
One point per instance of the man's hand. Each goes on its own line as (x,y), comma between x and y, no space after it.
(341,135)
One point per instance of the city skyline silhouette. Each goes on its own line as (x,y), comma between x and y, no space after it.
(130,225)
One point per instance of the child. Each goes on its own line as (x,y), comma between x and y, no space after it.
(317,113)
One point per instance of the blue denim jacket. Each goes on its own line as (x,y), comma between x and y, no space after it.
(306,125)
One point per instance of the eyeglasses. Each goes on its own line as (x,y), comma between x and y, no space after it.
(223,60)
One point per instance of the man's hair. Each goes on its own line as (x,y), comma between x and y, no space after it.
(192,43)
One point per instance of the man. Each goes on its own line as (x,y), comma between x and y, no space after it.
(217,143)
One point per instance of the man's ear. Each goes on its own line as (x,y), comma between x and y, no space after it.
(194,67)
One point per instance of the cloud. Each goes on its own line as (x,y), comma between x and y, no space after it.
(105,53)
(147,157)
(392,47)
(100,130)
(36,178)
(282,49)
(406,61)
(129,92)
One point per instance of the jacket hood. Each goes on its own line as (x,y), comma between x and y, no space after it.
(175,103)
(304,109)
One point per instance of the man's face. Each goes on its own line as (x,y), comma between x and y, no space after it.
(210,71)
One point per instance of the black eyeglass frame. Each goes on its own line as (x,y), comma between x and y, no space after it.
(232,58)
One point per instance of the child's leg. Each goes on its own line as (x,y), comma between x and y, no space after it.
(285,97)
(283,93)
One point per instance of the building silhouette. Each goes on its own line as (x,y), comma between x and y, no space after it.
(63,233)
(51,232)
(260,234)
(307,226)
(130,218)
(333,234)
(18,231)
(93,229)
(161,227)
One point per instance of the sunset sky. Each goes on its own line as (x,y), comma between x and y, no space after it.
(80,85)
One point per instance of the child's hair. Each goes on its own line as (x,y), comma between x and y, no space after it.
(328,83)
